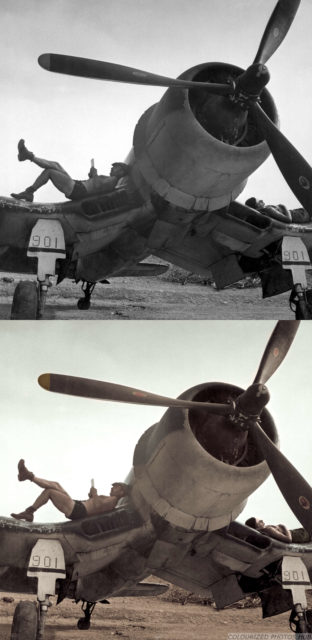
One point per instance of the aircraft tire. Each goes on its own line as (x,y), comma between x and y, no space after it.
(25,301)
(25,621)
(83,304)
(83,624)
(303,311)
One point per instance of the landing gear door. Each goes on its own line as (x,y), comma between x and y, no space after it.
(295,257)
(295,577)
(47,563)
(47,243)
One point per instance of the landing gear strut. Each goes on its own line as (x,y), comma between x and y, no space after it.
(47,564)
(301,302)
(295,577)
(295,257)
(300,620)
(87,608)
(47,244)
(87,288)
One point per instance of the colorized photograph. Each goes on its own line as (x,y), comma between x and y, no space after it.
(182,480)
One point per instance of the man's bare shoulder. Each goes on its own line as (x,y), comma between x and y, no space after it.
(279,532)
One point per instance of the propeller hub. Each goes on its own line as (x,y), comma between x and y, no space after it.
(251,83)
(249,405)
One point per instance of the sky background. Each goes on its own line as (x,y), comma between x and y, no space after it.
(73,120)
(73,440)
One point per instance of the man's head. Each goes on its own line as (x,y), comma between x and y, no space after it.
(254,203)
(119,170)
(255,523)
(119,490)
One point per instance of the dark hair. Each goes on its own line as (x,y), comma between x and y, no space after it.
(251,522)
(123,485)
(251,202)
(125,167)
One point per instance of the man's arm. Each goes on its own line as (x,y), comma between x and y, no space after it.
(93,172)
(280,532)
(279,212)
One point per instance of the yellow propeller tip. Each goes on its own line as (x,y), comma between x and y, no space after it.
(44,381)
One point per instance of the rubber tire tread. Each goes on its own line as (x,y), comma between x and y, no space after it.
(25,301)
(25,621)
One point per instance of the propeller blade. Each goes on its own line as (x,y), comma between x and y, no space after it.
(296,171)
(276,29)
(296,491)
(87,68)
(276,349)
(86,388)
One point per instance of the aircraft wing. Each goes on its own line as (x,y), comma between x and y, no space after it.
(104,558)
(89,545)
(110,235)
(226,244)
(111,228)
(230,564)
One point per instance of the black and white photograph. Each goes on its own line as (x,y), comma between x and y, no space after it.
(155,170)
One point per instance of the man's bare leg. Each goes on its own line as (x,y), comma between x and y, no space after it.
(62,501)
(25,474)
(25,154)
(52,171)
(61,180)
(52,491)
(48,484)
(48,164)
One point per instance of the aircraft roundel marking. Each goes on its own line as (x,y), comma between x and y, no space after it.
(139,393)
(304,503)
(304,182)
(276,352)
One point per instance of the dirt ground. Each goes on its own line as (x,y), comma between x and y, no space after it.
(149,619)
(153,299)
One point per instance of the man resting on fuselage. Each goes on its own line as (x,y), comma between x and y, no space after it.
(72,509)
(72,189)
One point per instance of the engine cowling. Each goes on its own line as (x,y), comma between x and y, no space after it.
(196,150)
(196,470)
